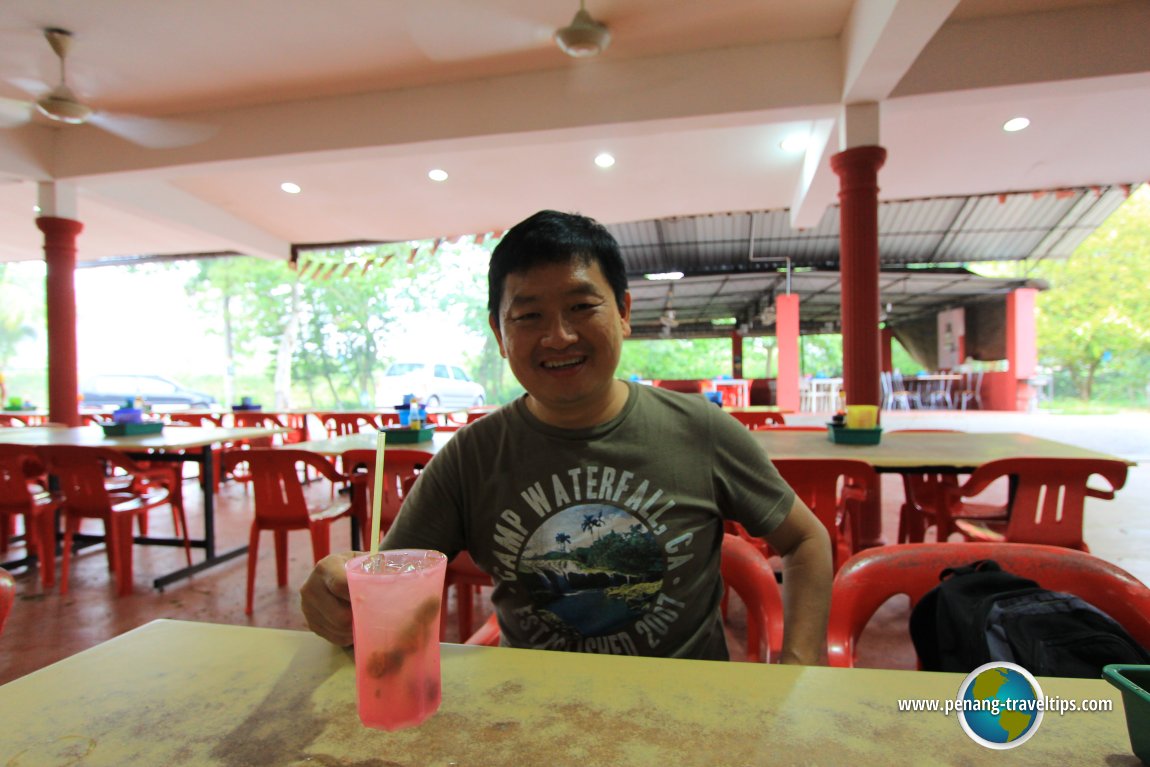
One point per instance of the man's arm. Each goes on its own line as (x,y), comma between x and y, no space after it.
(325,600)
(807,574)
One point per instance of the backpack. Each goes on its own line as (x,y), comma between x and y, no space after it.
(981,613)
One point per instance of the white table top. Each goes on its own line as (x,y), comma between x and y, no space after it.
(179,693)
(171,438)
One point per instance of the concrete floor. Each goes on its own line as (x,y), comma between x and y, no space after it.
(45,626)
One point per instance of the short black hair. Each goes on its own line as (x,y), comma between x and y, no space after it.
(551,237)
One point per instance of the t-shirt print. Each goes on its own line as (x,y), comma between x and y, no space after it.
(596,571)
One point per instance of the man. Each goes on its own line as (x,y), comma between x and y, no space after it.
(596,505)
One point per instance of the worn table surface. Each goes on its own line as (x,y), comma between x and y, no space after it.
(179,693)
(908,450)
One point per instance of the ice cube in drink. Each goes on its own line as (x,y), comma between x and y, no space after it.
(395,600)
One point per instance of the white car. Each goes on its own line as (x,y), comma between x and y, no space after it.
(435,384)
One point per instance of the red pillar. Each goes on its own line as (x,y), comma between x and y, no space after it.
(787,338)
(886,338)
(1021,343)
(857,169)
(60,254)
(736,354)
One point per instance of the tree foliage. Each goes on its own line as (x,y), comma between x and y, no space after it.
(1095,316)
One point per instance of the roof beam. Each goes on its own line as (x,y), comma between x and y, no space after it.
(160,200)
(882,39)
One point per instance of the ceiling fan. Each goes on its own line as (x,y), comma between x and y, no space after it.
(62,105)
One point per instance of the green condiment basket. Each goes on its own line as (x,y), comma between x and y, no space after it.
(1134,682)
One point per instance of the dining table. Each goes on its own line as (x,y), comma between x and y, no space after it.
(172,443)
(177,693)
(367,440)
(944,452)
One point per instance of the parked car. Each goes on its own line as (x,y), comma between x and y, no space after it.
(435,383)
(116,389)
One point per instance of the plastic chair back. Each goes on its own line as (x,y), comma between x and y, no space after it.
(20,466)
(1048,496)
(206,420)
(836,490)
(339,424)
(746,571)
(7,596)
(754,420)
(280,502)
(399,464)
(873,576)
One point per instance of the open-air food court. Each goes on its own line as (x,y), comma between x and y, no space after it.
(751,460)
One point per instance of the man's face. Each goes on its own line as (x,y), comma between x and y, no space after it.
(562,332)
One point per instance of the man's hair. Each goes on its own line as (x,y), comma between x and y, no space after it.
(551,237)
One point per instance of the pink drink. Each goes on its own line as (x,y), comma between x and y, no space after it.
(395,616)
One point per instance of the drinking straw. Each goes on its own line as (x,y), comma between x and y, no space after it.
(377,494)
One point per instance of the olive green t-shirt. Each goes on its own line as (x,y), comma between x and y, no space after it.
(604,539)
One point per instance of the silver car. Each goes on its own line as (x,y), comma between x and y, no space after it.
(436,384)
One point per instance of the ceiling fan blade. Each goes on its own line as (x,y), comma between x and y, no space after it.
(14,112)
(451,30)
(153,132)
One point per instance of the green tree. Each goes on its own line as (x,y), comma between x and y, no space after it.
(1095,316)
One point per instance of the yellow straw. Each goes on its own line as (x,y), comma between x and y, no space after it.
(377,494)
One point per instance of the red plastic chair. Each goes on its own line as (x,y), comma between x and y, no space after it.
(281,506)
(873,576)
(925,502)
(468,580)
(359,467)
(1046,502)
(92,489)
(755,420)
(7,596)
(836,490)
(23,493)
(206,421)
(749,574)
(339,424)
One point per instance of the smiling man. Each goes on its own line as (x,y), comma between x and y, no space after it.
(597,505)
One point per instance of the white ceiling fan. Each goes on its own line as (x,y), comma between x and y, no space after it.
(61,105)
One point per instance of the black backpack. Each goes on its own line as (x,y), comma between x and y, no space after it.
(980,613)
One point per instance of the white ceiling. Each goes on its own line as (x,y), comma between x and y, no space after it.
(355,100)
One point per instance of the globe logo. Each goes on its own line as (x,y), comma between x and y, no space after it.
(1000,705)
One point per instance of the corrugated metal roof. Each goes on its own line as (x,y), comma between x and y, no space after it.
(736,262)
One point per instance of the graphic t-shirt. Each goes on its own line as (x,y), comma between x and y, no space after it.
(604,539)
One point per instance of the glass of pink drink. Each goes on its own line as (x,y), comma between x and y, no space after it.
(395,599)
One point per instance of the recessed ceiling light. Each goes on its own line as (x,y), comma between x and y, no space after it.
(604,160)
(438,174)
(1015,124)
(664,276)
(290,188)
(796,142)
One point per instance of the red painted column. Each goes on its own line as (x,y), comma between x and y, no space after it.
(887,338)
(63,380)
(787,338)
(857,169)
(1022,343)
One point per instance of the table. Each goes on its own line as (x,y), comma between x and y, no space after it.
(366,440)
(174,443)
(928,452)
(181,693)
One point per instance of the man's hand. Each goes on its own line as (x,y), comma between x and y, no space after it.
(325,600)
